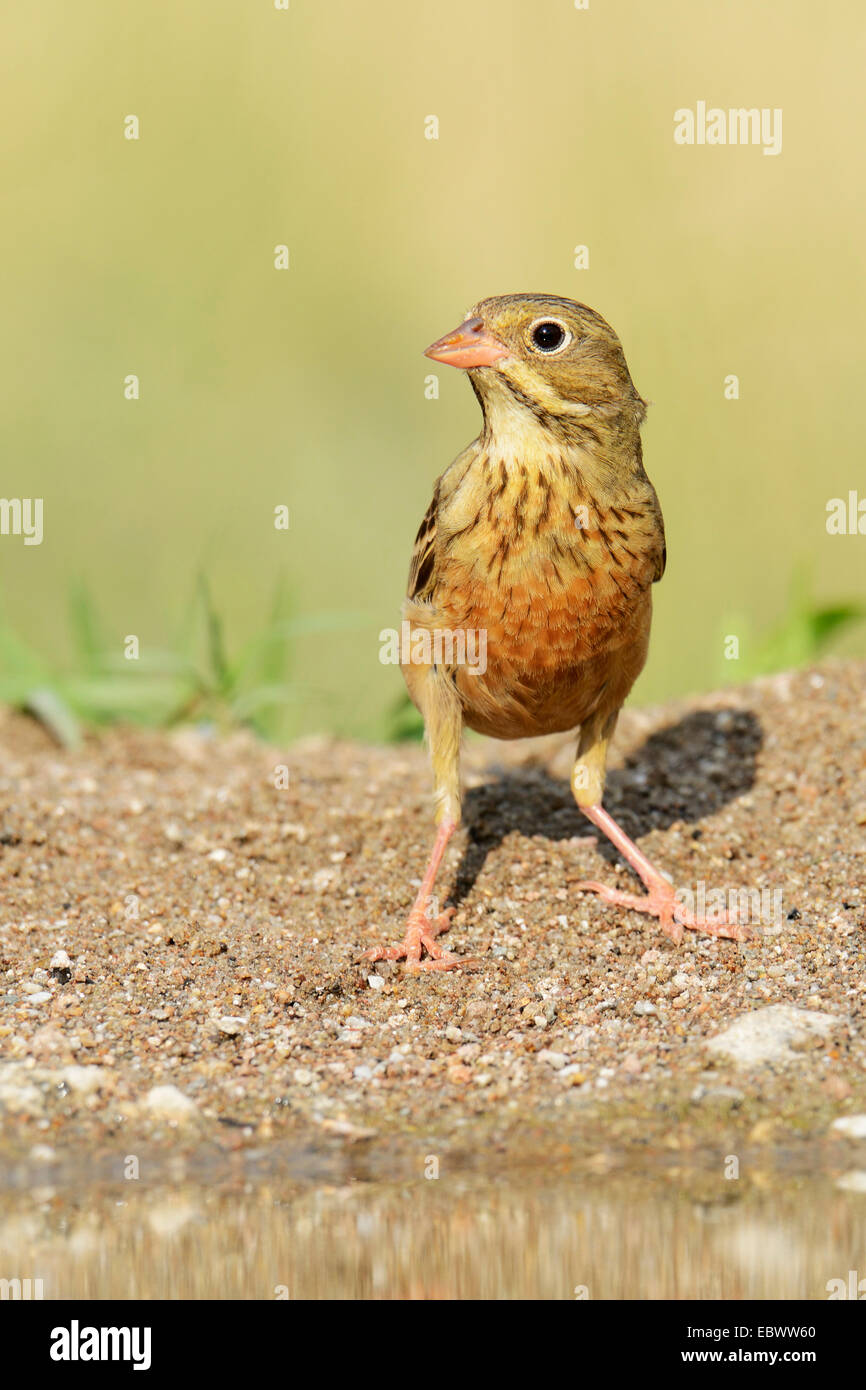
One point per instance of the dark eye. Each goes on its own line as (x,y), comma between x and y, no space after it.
(548,336)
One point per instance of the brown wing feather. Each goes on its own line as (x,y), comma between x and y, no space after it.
(661,562)
(422,576)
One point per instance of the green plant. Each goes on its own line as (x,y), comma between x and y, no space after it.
(404,723)
(802,635)
(198,681)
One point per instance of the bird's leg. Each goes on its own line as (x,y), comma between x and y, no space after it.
(421,930)
(437,700)
(660,900)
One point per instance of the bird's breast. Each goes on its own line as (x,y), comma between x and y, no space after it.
(550,570)
(550,579)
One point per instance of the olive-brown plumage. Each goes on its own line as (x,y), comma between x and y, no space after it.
(541,544)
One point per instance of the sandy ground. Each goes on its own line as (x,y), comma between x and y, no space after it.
(213,922)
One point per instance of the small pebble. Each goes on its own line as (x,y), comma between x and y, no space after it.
(770,1034)
(169,1103)
(852,1126)
(852,1182)
(557,1060)
(231,1025)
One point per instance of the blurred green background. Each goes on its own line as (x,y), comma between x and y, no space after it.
(305,387)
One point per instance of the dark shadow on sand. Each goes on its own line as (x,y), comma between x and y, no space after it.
(683,772)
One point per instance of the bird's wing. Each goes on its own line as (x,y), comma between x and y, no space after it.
(422,577)
(661,561)
(661,555)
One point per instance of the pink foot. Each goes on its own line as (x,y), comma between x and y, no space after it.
(661,899)
(661,902)
(421,934)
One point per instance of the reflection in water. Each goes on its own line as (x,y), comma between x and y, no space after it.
(457,1238)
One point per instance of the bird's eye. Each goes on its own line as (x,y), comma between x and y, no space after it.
(549,336)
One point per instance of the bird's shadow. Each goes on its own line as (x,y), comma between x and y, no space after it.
(683,772)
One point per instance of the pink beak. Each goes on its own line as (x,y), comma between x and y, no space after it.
(470,345)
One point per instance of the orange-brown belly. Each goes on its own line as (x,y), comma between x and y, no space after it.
(544,658)
(553,679)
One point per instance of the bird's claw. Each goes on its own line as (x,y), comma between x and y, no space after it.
(421,934)
(660,901)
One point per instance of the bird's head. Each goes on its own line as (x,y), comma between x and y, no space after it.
(551,358)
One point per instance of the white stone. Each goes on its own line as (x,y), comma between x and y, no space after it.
(853,1126)
(83,1080)
(766,1035)
(168,1103)
(18,1094)
(231,1025)
(852,1182)
(557,1060)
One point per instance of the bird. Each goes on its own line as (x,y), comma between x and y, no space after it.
(539,550)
